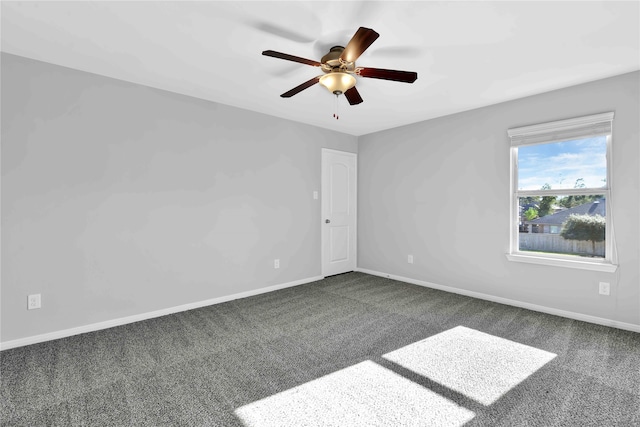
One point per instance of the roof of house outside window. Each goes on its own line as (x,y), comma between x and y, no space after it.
(597,207)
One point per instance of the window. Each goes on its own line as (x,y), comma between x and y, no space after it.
(560,198)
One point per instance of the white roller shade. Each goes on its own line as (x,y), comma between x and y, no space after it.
(563,130)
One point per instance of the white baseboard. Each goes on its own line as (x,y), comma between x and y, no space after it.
(144,316)
(515,303)
(150,315)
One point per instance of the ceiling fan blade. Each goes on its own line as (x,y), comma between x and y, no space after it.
(353,96)
(395,75)
(288,57)
(360,41)
(300,88)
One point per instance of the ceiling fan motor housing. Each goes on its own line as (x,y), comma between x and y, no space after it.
(331,61)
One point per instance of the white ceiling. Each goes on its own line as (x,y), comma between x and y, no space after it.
(467,54)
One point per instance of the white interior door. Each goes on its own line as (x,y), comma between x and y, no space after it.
(338,212)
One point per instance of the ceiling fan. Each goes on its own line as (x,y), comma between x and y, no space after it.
(339,67)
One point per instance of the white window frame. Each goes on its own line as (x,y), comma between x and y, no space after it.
(563,130)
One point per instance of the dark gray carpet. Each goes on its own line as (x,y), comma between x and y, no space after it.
(198,368)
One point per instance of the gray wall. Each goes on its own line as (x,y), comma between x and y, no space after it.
(119,199)
(439,190)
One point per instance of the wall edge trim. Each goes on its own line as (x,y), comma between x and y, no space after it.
(515,303)
(49,336)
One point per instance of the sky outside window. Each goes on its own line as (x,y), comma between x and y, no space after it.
(561,164)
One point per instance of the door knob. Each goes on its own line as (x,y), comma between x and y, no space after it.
(327,221)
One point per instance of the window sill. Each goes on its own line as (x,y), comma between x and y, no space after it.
(562,262)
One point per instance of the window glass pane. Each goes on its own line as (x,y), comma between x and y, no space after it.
(580,163)
(573,225)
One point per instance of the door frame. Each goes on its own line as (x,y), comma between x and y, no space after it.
(323,201)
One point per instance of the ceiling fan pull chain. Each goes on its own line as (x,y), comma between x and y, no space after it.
(334,110)
(336,115)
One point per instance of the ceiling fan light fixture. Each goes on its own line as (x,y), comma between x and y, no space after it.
(337,82)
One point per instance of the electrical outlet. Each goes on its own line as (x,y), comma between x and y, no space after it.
(315,195)
(34,301)
(410,259)
(276,263)
(605,288)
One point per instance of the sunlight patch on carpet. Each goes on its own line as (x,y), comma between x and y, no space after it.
(365,394)
(480,366)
